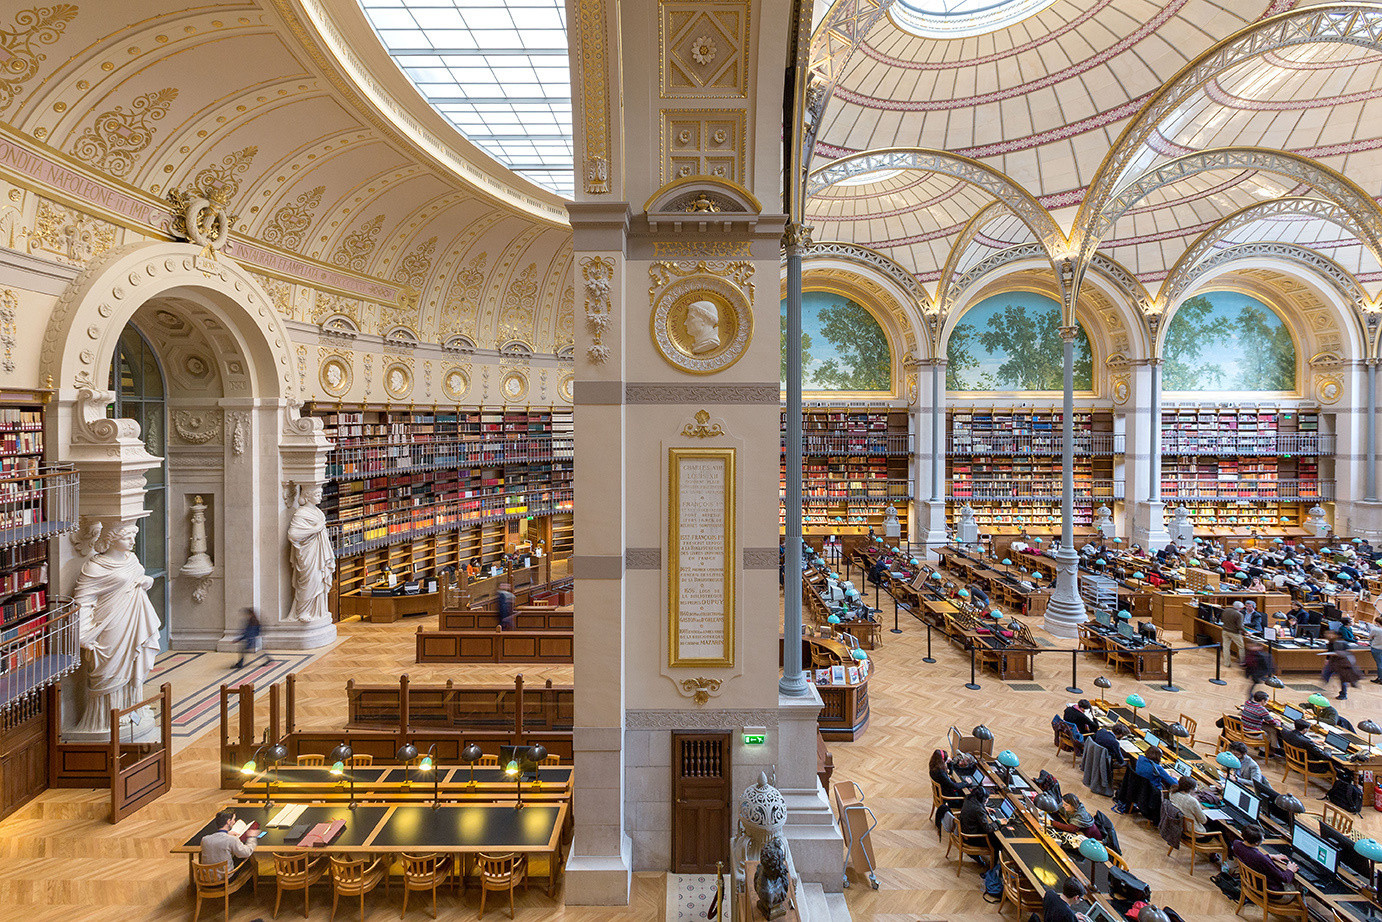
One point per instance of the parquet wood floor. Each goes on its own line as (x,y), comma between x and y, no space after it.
(61,860)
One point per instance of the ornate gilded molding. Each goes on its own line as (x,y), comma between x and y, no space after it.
(700,689)
(675,719)
(289,224)
(412,269)
(697,249)
(702,427)
(354,250)
(713,394)
(119,135)
(593,76)
(68,235)
(597,274)
(9,329)
(19,45)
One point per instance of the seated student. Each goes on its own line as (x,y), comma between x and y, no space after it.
(220,847)
(1315,756)
(1255,714)
(978,596)
(1330,715)
(976,819)
(1074,817)
(1188,804)
(945,782)
(1278,869)
(1149,767)
(1109,740)
(1248,770)
(1078,714)
(1059,907)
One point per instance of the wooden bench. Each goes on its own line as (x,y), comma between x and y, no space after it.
(494,646)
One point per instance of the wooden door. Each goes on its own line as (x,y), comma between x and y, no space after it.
(700,801)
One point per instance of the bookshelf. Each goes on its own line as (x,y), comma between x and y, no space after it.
(416,490)
(1006,464)
(854,465)
(1243,468)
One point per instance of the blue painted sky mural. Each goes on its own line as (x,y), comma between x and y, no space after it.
(1226,341)
(842,346)
(1011,342)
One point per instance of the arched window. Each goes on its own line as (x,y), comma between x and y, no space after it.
(137,380)
(1227,341)
(1011,342)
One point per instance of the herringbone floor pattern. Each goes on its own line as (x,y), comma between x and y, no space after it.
(60,861)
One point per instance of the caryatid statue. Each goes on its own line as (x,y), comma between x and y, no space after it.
(313,559)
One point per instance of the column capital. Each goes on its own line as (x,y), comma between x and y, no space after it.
(797,236)
(1067,334)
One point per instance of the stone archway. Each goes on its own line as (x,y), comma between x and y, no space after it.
(235,437)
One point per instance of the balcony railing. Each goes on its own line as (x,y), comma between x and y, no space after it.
(1003,490)
(37,506)
(880,444)
(1249,444)
(398,525)
(43,654)
(1247,490)
(351,462)
(1041,444)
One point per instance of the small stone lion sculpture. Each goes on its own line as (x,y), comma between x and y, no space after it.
(770,880)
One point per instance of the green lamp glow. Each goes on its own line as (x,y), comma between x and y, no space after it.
(1318,700)
(248,768)
(338,769)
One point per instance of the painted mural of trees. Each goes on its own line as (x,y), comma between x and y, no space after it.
(1015,348)
(960,357)
(862,360)
(1226,341)
(805,351)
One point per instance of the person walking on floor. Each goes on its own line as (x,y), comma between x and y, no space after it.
(250,638)
(506,600)
(1232,639)
(1375,646)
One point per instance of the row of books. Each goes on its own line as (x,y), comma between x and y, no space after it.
(22,580)
(19,418)
(842,675)
(22,606)
(15,518)
(21,441)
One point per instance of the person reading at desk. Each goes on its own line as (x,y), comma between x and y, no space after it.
(1189,805)
(1110,739)
(1074,817)
(946,785)
(1060,907)
(1248,771)
(1254,713)
(979,596)
(977,820)
(1149,767)
(1278,869)
(1078,714)
(220,847)
(1318,761)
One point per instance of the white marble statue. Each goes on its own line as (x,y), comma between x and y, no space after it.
(703,326)
(313,559)
(119,628)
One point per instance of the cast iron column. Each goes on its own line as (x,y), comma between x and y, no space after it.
(793,681)
(1065,612)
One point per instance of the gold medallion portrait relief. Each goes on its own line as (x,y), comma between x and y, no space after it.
(701,328)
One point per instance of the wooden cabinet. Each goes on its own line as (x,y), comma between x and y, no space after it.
(23,755)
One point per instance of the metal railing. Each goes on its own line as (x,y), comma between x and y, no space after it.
(1246,490)
(1238,443)
(44,654)
(38,505)
(878,494)
(874,444)
(1043,490)
(394,526)
(349,462)
(1031,443)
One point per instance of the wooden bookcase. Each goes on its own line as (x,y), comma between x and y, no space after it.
(1241,469)
(1006,464)
(854,465)
(416,490)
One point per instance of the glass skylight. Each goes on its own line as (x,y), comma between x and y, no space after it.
(961,18)
(496,69)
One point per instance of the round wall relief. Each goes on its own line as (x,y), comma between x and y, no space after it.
(1328,389)
(701,324)
(567,388)
(455,383)
(398,380)
(514,386)
(1121,390)
(335,376)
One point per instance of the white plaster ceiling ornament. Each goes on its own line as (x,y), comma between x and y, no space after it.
(398,380)
(455,383)
(514,386)
(703,49)
(335,376)
(197,427)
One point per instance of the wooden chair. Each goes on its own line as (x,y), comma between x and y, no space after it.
(977,845)
(1298,761)
(1065,742)
(218,881)
(356,878)
(1201,843)
(1016,889)
(938,799)
(488,761)
(499,873)
(1333,816)
(1287,903)
(360,761)
(422,873)
(1189,724)
(552,760)
(1116,859)
(296,872)
(1233,732)
(312,761)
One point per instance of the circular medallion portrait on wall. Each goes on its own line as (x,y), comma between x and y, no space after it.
(335,375)
(567,388)
(701,325)
(455,383)
(398,380)
(514,387)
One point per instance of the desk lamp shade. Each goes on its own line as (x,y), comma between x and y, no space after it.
(963,593)
(471,754)
(1117,540)
(341,753)
(1369,728)
(1007,562)
(537,753)
(982,732)
(1318,700)
(1100,561)
(1289,803)
(860,654)
(337,768)
(833,619)
(1124,615)
(1369,849)
(1094,850)
(1135,701)
(1046,803)
(277,753)
(1102,682)
(1008,759)
(249,767)
(935,575)
(511,769)
(1151,914)
(1273,682)
(913,562)
(426,764)
(1139,575)
(1228,760)
(406,753)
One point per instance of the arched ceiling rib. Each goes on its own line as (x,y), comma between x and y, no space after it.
(242,94)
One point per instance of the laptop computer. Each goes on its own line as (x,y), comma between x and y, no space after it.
(1314,852)
(1151,739)
(1291,713)
(1337,740)
(1183,768)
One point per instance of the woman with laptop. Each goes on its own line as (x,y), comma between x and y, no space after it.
(1279,870)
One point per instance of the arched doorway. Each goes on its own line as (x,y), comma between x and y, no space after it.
(137,381)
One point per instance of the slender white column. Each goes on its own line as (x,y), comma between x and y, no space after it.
(1066,610)
(793,682)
